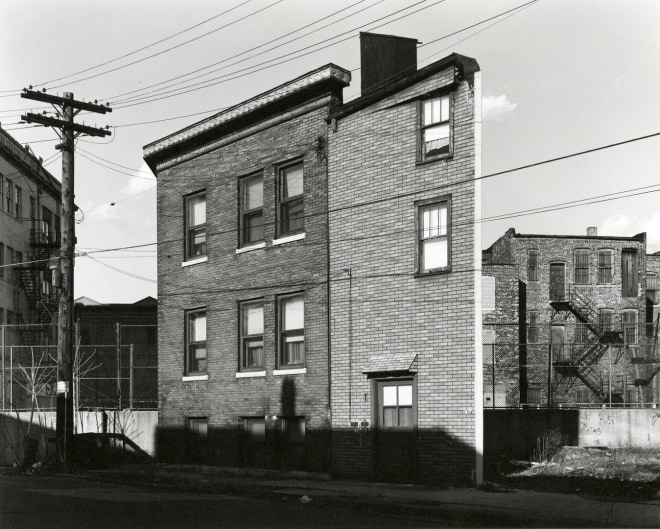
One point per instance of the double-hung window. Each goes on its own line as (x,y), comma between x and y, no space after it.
(292,332)
(435,127)
(196,342)
(252,336)
(532,265)
(195,214)
(252,209)
(9,196)
(604,267)
(533,329)
(434,236)
(606,319)
(396,406)
(581,276)
(291,210)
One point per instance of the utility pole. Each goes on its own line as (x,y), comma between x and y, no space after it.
(66,109)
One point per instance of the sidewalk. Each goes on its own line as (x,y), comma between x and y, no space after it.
(490,506)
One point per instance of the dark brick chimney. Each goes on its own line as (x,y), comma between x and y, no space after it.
(385,59)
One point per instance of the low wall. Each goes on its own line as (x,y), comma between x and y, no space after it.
(513,433)
(138,425)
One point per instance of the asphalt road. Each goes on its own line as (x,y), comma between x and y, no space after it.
(50,502)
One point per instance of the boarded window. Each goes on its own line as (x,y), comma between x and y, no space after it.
(629,273)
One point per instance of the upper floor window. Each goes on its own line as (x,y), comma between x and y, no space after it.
(2,260)
(2,190)
(581,276)
(292,331)
(606,319)
(252,209)
(291,210)
(629,273)
(532,265)
(18,202)
(195,341)
(252,335)
(9,196)
(604,267)
(195,215)
(629,321)
(434,236)
(435,127)
(533,330)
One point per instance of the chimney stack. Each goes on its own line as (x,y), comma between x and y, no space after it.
(592,231)
(385,59)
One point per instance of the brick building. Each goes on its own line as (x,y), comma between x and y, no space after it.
(287,317)
(573,323)
(30,199)
(403,199)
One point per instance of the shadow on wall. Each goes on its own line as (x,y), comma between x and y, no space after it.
(23,444)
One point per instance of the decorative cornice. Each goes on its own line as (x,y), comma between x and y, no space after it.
(329,71)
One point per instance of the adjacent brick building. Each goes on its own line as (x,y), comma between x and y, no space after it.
(30,199)
(317,259)
(582,306)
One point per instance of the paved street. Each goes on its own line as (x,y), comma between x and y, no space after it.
(69,502)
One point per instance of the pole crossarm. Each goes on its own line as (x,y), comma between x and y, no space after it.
(62,124)
(58,100)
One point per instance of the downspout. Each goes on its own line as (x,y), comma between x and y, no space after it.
(478,337)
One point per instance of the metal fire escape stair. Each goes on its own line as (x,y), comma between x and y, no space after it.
(652,357)
(583,356)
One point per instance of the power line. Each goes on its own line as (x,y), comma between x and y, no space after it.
(168,49)
(119,270)
(147,46)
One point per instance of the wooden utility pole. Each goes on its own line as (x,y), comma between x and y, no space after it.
(66,109)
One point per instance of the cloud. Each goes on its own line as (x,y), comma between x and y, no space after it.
(629,225)
(495,107)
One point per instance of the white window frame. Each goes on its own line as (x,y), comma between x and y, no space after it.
(431,233)
(191,346)
(292,335)
(193,231)
(429,123)
(246,339)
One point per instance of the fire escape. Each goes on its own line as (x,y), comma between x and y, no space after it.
(35,278)
(579,360)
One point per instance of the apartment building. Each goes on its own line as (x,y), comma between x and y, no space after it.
(573,323)
(318,300)
(30,199)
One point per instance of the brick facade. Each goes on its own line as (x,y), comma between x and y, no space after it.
(381,306)
(620,366)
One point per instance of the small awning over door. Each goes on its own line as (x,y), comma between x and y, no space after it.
(391,364)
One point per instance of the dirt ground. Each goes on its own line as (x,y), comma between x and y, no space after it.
(623,474)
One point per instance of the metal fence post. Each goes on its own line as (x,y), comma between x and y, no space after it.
(118,341)
(2,338)
(130,380)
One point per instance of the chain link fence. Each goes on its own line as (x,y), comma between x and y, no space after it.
(118,375)
(560,366)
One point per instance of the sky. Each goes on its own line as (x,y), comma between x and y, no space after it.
(559,77)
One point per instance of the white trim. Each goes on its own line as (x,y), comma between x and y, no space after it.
(290,238)
(250,248)
(195,261)
(193,378)
(250,374)
(298,371)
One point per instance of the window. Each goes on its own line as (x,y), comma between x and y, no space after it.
(252,209)
(396,408)
(292,331)
(581,332)
(606,319)
(10,261)
(434,237)
(436,127)
(195,206)
(604,267)
(533,330)
(252,336)
(629,273)
(2,260)
(2,190)
(532,265)
(195,342)
(291,209)
(196,438)
(8,196)
(651,288)
(33,212)
(581,263)
(19,202)
(629,321)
